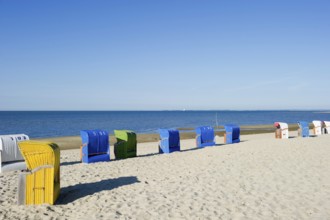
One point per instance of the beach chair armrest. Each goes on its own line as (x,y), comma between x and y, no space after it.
(27,172)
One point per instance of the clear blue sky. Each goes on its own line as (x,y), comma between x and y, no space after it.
(155,55)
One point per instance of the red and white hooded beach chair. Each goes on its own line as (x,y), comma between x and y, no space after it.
(282,130)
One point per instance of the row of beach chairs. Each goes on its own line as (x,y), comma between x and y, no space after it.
(39,162)
(319,128)
(95,143)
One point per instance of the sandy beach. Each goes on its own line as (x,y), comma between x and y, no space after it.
(259,178)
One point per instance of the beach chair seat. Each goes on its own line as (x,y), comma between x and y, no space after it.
(10,156)
(126,144)
(282,130)
(317,127)
(40,182)
(95,146)
(303,130)
(204,136)
(169,141)
(232,134)
(326,127)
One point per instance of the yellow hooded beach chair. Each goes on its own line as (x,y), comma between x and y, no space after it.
(40,183)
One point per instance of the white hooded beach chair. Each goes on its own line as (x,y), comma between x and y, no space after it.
(317,127)
(326,127)
(282,130)
(10,156)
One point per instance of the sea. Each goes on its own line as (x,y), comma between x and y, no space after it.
(43,124)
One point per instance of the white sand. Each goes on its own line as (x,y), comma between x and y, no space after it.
(259,178)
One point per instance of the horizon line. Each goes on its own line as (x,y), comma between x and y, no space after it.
(163,110)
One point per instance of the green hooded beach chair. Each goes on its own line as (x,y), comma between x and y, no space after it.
(126,144)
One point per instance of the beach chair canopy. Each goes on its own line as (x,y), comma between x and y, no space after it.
(169,141)
(40,183)
(281,125)
(303,129)
(205,136)
(282,130)
(317,127)
(10,156)
(303,124)
(232,133)
(95,146)
(126,144)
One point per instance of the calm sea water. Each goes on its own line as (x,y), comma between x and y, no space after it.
(67,123)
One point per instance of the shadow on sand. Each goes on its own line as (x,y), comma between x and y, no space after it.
(71,193)
(191,149)
(313,136)
(70,163)
(241,141)
(151,154)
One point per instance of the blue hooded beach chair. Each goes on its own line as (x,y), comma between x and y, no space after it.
(95,146)
(303,130)
(204,136)
(232,134)
(169,141)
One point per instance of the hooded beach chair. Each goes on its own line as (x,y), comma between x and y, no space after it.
(126,144)
(95,146)
(204,136)
(169,141)
(317,129)
(232,134)
(282,130)
(10,157)
(40,183)
(303,130)
(326,127)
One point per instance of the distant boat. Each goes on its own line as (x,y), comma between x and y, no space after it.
(184,110)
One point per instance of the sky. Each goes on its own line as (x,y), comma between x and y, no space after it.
(164,54)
